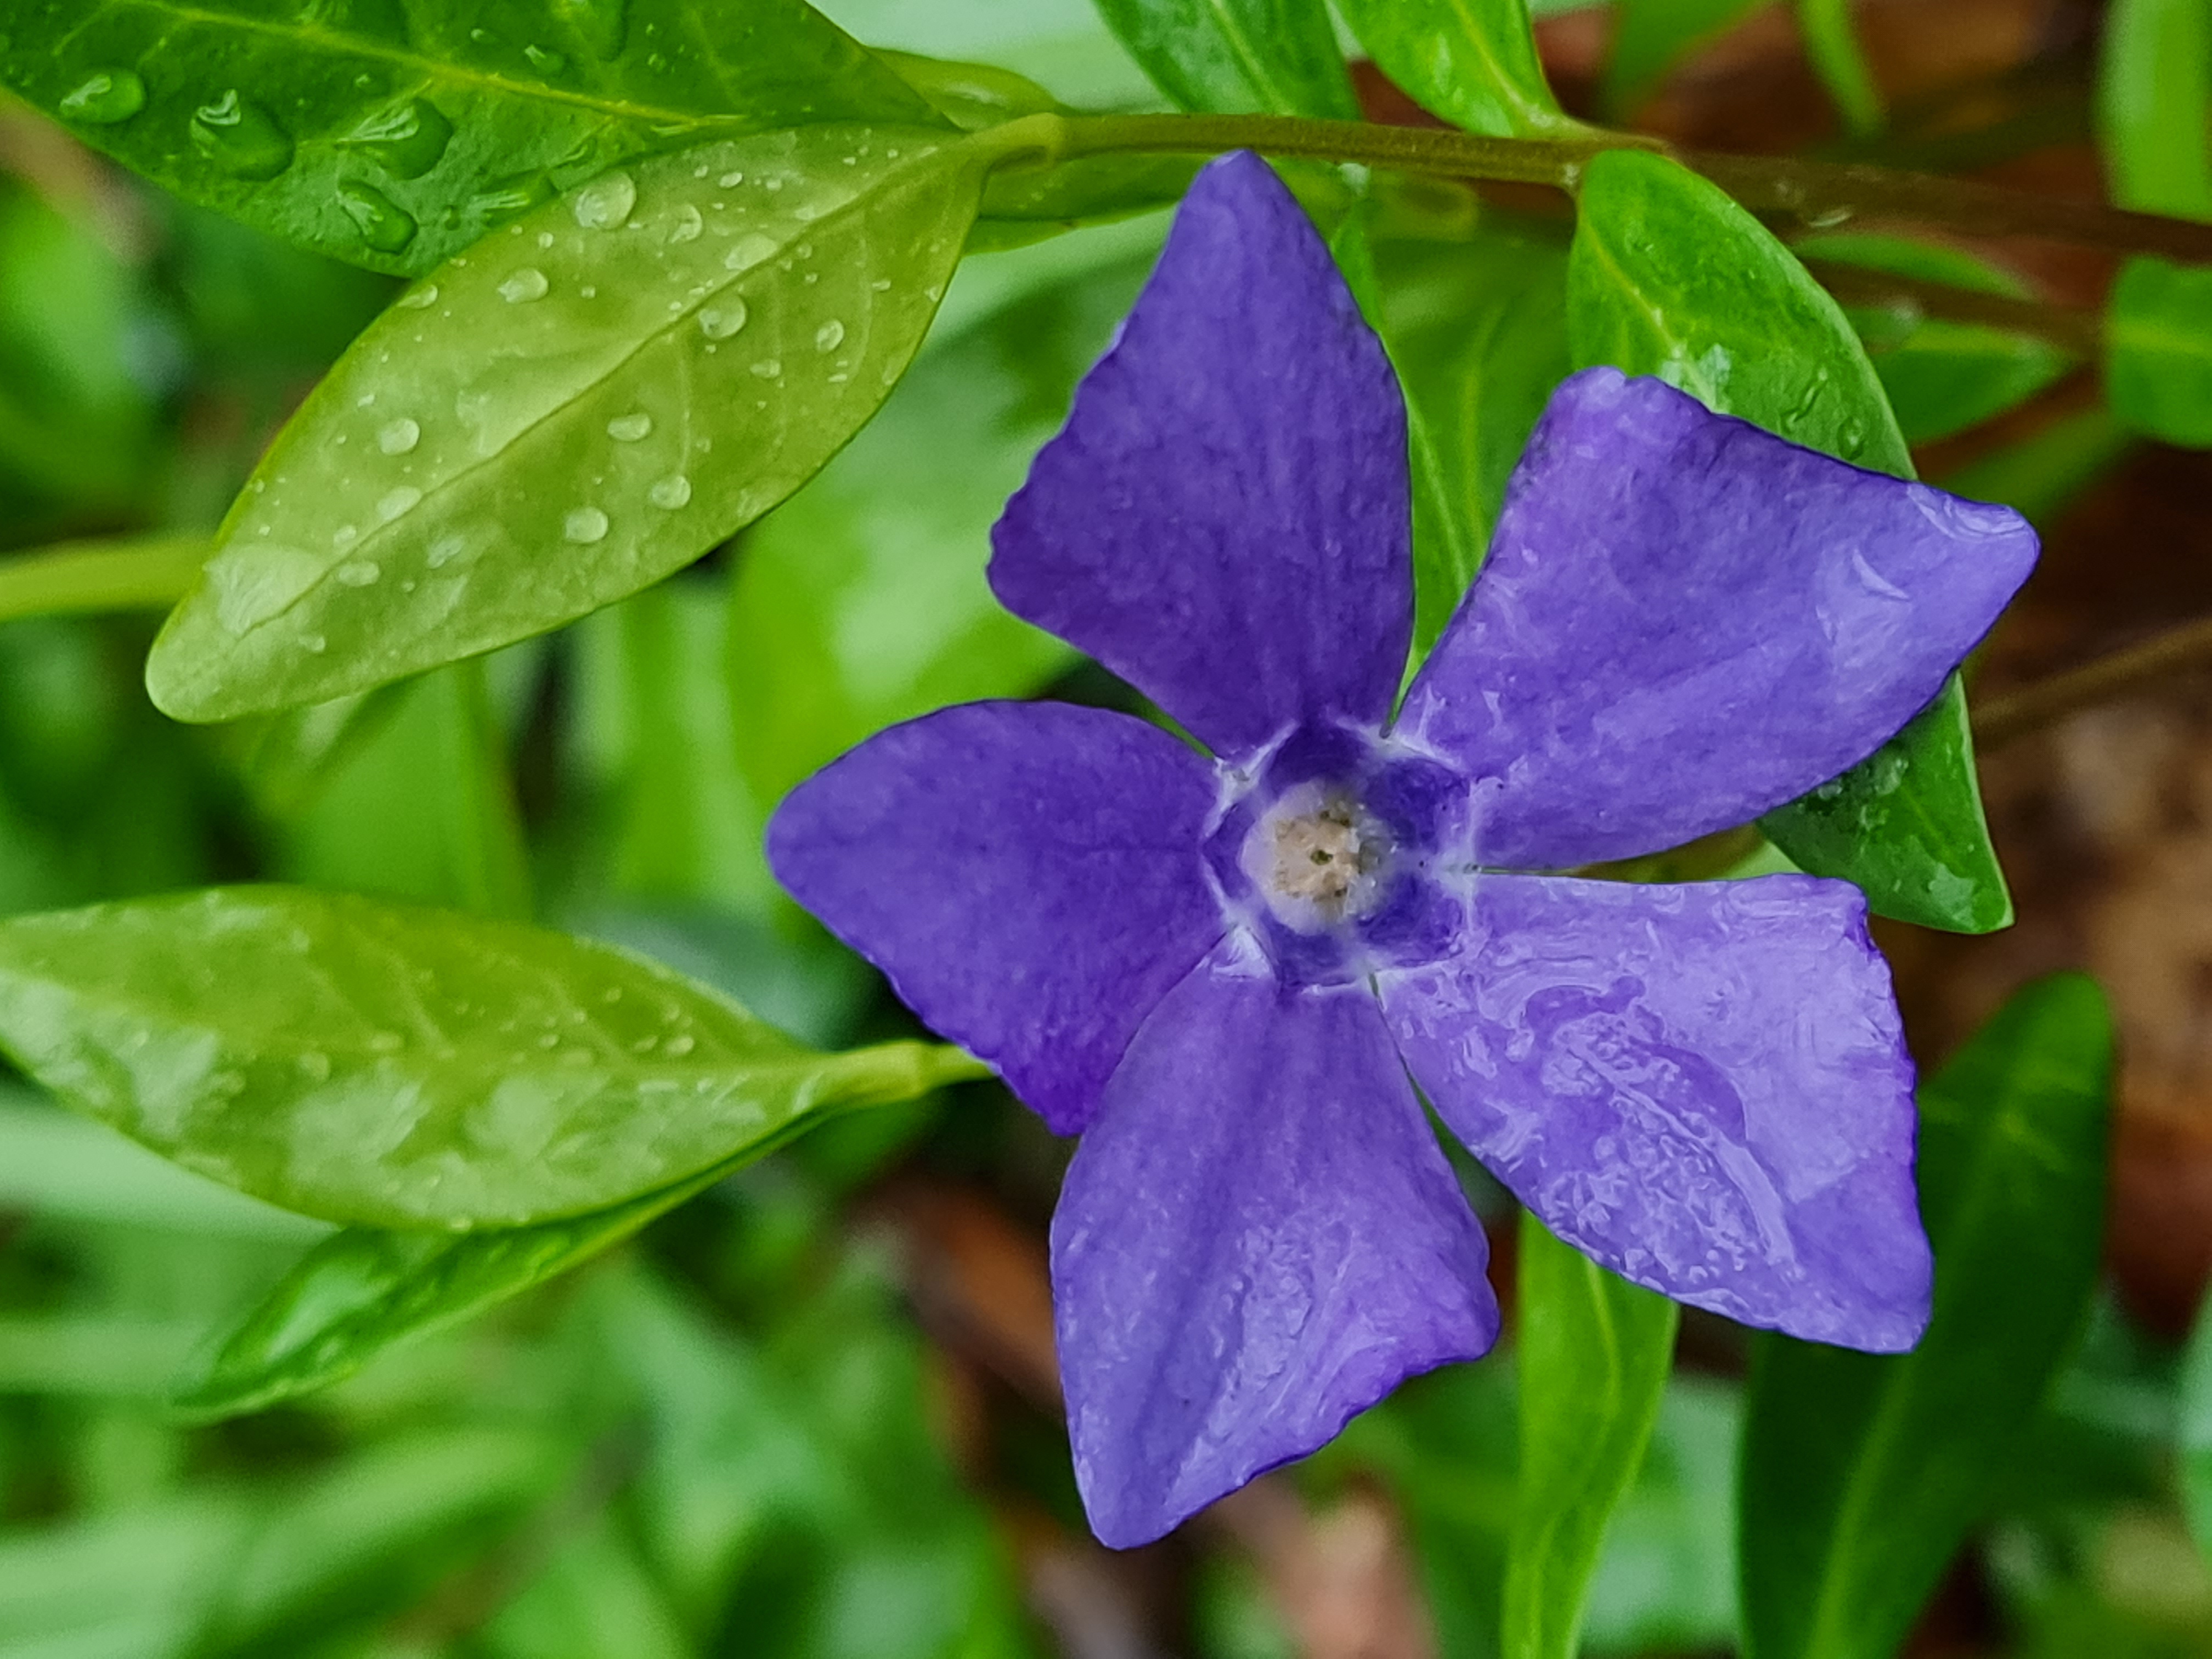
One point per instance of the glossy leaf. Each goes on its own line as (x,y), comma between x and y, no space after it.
(364,1290)
(2153,100)
(1942,377)
(861,601)
(1478,332)
(1650,37)
(394,1067)
(395,136)
(2158,368)
(1832,46)
(1238,57)
(1862,1472)
(1668,277)
(1594,1353)
(1472,62)
(568,413)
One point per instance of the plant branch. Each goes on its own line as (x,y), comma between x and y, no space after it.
(2081,332)
(146,572)
(2000,720)
(1817,193)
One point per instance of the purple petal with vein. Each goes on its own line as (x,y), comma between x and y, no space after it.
(1685,622)
(1224,522)
(1027,875)
(1703,1087)
(1258,1238)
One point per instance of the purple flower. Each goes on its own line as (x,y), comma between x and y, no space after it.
(1229,972)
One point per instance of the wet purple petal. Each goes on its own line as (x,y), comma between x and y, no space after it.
(1224,521)
(1258,1238)
(1685,622)
(1027,874)
(1704,1088)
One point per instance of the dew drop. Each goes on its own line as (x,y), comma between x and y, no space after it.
(104,99)
(670,492)
(630,429)
(585,525)
(881,285)
(730,180)
(679,1045)
(406,139)
(445,550)
(504,198)
(525,285)
(545,62)
(387,1043)
(689,225)
(344,537)
(768,368)
(358,573)
(315,644)
(829,336)
(384,225)
(606,204)
(419,299)
(396,501)
(241,137)
(722,321)
(399,436)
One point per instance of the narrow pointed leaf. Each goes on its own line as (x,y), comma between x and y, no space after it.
(1832,46)
(1472,62)
(2158,334)
(1650,37)
(1668,277)
(2154,97)
(365,1289)
(395,1066)
(1862,1473)
(1595,1353)
(394,135)
(569,413)
(1238,57)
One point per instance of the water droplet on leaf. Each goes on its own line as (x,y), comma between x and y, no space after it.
(606,204)
(358,573)
(397,502)
(768,368)
(722,321)
(104,99)
(406,139)
(829,336)
(630,429)
(241,137)
(670,493)
(399,436)
(689,225)
(383,224)
(525,285)
(419,299)
(585,525)
(545,62)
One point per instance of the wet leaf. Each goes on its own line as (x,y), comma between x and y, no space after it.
(567,413)
(395,1066)
(1475,65)
(1237,57)
(1594,1353)
(394,135)
(1862,1472)
(1668,277)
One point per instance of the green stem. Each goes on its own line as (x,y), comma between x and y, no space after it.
(2000,720)
(146,573)
(1817,193)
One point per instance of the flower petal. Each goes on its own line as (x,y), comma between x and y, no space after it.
(1685,622)
(1224,522)
(1258,1238)
(1027,875)
(1704,1088)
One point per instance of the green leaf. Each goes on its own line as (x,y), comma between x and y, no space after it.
(2158,334)
(2153,100)
(1862,1472)
(1668,277)
(2193,1435)
(2042,474)
(395,1066)
(1594,1351)
(1472,62)
(1650,37)
(366,1290)
(1942,377)
(1478,332)
(1238,57)
(418,807)
(589,401)
(861,601)
(394,135)
(1831,46)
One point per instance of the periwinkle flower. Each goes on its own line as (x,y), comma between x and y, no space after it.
(1228,971)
